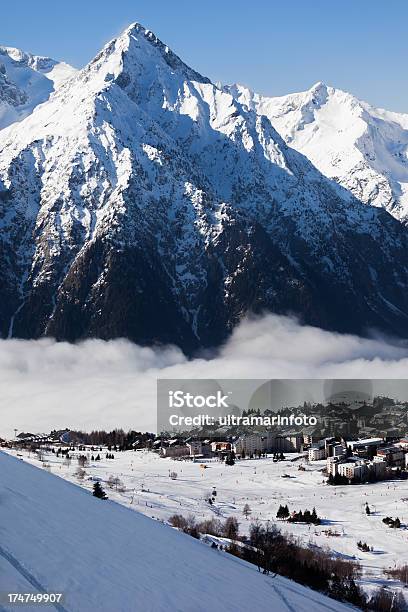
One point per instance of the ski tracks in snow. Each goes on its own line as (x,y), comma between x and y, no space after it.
(27,576)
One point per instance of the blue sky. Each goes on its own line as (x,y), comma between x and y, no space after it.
(275,47)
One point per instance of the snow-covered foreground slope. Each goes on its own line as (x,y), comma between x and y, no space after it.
(141,200)
(145,485)
(27,80)
(364,148)
(105,557)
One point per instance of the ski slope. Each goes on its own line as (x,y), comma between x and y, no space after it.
(56,537)
(145,485)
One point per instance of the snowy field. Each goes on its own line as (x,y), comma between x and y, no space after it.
(56,537)
(146,486)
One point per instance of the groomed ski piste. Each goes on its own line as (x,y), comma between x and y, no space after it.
(56,537)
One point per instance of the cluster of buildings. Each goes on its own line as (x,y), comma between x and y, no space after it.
(356,460)
(248,445)
(176,448)
(267,442)
(361,459)
(346,416)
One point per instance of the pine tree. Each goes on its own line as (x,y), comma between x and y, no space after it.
(354,594)
(307,517)
(281,512)
(368,511)
(98,491)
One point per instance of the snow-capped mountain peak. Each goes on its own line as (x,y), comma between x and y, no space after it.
(363,148)
(142,200)
(138,54)
(26,81)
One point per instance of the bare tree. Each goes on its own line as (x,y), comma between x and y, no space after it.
(231,528)
(82,460)
(246,511)
(114,482)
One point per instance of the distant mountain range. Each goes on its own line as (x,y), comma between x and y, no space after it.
(26,81)
(139,199)
(365,149)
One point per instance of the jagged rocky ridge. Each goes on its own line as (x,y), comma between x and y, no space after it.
(363,148)
(143,201)
(26,81)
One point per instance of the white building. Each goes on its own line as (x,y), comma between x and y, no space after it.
(332,465)
(250,444)
(267,442)
(315,454)
(352,470)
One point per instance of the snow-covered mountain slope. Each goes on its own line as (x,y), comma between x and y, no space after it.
(56,537)
(25,81)
(141,200)
(364,148)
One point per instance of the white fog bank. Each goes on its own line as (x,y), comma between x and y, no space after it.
(102,385)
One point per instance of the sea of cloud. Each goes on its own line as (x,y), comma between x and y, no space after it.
(96,384)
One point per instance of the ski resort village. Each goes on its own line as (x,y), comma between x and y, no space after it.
(283,521)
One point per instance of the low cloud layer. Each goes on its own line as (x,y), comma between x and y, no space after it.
(97,384)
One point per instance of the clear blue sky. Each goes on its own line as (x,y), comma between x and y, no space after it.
(275,47)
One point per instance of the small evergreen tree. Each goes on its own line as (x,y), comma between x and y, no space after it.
(98,491)
(279,512)
(283,512)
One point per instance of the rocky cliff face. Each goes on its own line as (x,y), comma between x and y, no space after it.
(143,201)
